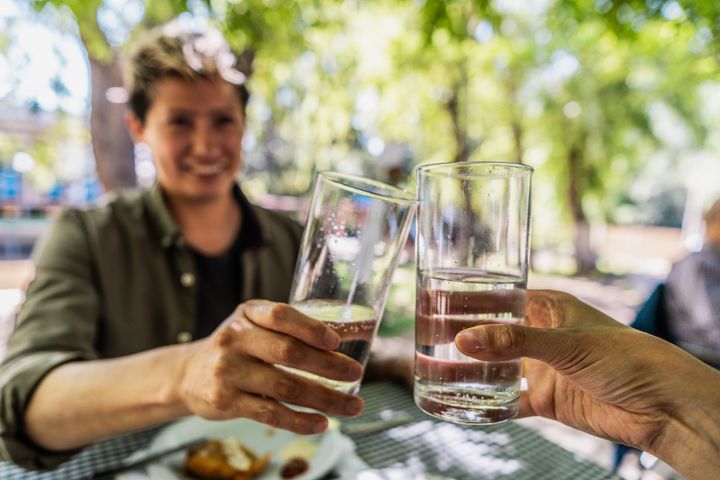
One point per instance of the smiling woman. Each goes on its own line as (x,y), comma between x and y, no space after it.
(140,311)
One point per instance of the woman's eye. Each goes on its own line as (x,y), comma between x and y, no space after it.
(180,122)
(225,120)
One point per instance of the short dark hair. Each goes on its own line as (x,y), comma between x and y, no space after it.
(172,50)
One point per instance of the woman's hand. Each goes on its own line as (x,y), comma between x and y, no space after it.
(590,372)
(233,372)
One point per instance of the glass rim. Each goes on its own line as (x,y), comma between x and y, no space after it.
(438,167)
(393,194)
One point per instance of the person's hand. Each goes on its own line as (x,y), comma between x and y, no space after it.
(233,372)
(590,372)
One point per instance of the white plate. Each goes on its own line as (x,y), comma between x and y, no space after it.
(256,436)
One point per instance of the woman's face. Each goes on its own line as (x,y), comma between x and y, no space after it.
(194,130)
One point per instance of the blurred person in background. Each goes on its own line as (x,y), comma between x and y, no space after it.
(685,308)
(141,309)
(692,296)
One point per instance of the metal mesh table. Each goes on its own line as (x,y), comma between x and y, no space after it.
(503,451)
(426,445)
(97,457)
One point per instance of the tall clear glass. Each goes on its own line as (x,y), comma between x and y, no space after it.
(352,241)
(472,265)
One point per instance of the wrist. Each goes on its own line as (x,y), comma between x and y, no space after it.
(690,442)
(172,396)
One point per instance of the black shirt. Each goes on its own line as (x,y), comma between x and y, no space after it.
(219,277)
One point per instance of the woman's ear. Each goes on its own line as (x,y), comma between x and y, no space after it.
(135,127)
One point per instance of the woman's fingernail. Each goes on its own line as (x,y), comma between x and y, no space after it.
(353,370)
(471,341)
(331,339)
(353,406)
(319,427)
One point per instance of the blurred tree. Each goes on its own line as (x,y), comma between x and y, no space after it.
(629,16)
(574,80)
(102,29)
(601,118)
(581,89)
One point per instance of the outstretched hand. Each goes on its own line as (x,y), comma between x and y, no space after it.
(592,373)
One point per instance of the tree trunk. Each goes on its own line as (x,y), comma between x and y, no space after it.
(462,143)
(517,134)
(584,255)
(467,217)
(516,128)
(111,142)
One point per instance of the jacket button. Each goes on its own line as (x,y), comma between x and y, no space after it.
(187,279)
(184,337)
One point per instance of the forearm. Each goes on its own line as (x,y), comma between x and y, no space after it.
(83,402)
(391,359)
(691,442)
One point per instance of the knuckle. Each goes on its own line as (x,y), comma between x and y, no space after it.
(564,296)
(248,304)
(559,305)
(239,311)
(559,298)
(287,351)
(219,400)
(287,390)
(225,338)
(266,414)
(278,313)
(548,307)
(509,337)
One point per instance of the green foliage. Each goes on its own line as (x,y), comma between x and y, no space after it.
(260,24)
(85,13)
(531,82)
(93,37)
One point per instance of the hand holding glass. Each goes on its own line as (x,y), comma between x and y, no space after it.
(355,231)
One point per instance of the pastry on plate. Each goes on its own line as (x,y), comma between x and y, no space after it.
(224,459)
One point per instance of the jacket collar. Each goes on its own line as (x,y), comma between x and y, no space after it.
(253,230)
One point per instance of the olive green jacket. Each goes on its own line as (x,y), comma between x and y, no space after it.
(115,280)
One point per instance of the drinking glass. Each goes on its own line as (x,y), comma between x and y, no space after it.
(355,232)
(472,264)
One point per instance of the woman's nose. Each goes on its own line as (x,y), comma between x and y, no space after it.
(205,141)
